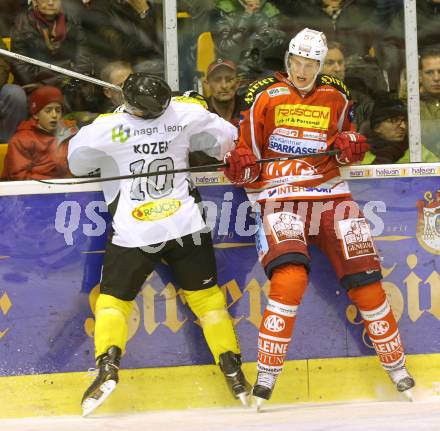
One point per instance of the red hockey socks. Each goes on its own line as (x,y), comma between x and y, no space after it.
(288,284)
(380,324)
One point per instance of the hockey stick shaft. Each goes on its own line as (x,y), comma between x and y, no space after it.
(206,168)
(58,69)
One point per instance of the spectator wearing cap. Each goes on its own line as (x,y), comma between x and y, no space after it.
(388,133)
(222,83)
(38,150)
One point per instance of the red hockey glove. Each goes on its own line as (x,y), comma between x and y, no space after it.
(352,146)
(241,166)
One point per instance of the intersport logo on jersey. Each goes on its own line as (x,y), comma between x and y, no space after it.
(307,116)
(274,323)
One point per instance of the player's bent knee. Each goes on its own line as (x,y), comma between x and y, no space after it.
(288,284)
(368,297)
(360,279)
(205,300)
(105,301)
(288,258)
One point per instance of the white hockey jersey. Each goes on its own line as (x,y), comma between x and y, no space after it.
(155,209)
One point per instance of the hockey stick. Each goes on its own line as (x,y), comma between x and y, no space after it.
(59,69)
(205,168)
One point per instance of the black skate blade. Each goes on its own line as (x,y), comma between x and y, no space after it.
(90,404)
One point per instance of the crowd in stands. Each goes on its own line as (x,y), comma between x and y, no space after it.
(109,39)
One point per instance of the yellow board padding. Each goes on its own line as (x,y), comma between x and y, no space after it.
(171,388)
(3,152)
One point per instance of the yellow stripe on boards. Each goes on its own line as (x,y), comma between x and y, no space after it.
(170,388)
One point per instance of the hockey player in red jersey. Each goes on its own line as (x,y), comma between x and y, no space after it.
(305,201)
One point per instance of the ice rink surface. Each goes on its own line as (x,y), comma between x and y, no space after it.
(383,416)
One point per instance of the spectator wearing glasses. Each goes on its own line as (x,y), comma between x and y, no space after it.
(388,136)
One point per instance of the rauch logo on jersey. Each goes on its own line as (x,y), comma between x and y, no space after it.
(307,116)
(158,210)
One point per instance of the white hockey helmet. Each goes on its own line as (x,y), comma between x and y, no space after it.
(310,44)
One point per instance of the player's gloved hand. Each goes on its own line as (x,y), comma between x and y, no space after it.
(241,166)
(352,146)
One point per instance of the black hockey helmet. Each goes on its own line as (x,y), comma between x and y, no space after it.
(145,95)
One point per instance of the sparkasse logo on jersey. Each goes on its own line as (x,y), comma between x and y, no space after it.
(307,116)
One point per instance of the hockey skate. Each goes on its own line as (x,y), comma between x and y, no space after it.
(403,381)
(262,390)
(230,364)
(105,382)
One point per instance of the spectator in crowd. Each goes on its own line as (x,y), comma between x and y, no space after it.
(334,64)
(115,73)
(9,9)
(129,30)
(38,150)
(428,22)
(428,34)
(430,102)
(222,83)
(247,32)
(386,10)
(387,135)
(350,22)
(45,33)
(13,104)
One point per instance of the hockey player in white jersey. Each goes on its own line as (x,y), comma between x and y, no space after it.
(155,218)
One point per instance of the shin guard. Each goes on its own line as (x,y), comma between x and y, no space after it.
(111,324)
(380,324)
(288,285)
(209,305)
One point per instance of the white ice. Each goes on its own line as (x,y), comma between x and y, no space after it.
(373,416)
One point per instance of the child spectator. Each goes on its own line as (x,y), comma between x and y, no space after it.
(38,150)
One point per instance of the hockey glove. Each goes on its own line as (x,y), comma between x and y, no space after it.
(352,146)
(241,166)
